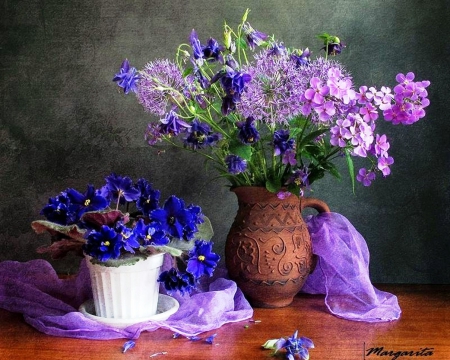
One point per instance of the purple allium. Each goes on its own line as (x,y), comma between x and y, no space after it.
(200,136)
(174,281)
(104,244)
(127,78)
(172,125)
(282,142)
(235,164)
(202,261)
(160,87)
(247,134)
(365,177)
(254,38)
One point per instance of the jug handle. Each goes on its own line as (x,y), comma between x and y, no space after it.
(314,203)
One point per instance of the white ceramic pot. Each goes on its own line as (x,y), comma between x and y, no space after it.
(126,291)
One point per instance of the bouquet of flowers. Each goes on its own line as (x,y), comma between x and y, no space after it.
(93,223)
(269,115)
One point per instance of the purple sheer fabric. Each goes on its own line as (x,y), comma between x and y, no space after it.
(342,272)
(50,304)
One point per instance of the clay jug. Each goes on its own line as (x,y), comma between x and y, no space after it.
(268,251)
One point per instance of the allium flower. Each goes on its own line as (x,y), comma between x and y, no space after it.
(174,281)
(127,78)
(248,134)
(104,244)
(160,87)
(173,217)
(202,261)
(235,164)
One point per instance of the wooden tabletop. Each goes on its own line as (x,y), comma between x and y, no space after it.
(423,328)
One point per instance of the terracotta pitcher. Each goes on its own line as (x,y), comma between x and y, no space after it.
(268,250)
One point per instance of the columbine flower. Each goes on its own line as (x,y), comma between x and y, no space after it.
(301,58)
(119,189)
(235,164)
(200,136)
(209,52)
(233,83)
(160,87)
(282,142)
(295,346)
(248,133)
(174,281)
(174,217)
(254,38)
(172,125)
(104,244)
(91,200)
(127,78)
(202,261)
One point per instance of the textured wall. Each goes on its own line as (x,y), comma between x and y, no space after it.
(64,123)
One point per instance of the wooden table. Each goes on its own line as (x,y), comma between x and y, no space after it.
(425,324)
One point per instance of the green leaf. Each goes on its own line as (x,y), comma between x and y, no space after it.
(273,185)
(241,150)
(187,71)
(241,43)
(351,168)
(270,344)
(205,230)
(310,137)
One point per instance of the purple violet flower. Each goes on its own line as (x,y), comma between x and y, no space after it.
(60,210)
(127,78)
(119,189)
(104,244)
(174,281)
(202,261)
(235,164)
(295,346)
(151,234)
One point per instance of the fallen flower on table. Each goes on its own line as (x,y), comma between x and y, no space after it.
(128,345)
(293,345)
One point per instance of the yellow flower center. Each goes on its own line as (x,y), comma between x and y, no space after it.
(87,202)
(106,243)
(148,237)
(201,258)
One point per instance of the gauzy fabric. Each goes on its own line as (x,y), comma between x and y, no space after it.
(50,304)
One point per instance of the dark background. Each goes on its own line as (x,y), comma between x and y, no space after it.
(64,123)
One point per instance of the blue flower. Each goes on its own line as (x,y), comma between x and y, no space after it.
(172,124)
(148,199)
(235,164)
(174,281)
(151,234)
(200,135)
(233,82)
(174,217)
(248,133)
(254,37)
(281,142)
(120,189)
(60,210)
(104,244)
(301,58)
(212,51)
(295,346)
(128,236)
(277,49)
(202,261)
(91,200)
(127,78)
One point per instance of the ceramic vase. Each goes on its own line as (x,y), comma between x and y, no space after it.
(129,291)
(268,250)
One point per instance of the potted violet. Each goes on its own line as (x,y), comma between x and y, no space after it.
(124,232)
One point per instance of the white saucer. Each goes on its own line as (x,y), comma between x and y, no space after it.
(166,306)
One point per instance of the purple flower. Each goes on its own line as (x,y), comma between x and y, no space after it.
(384,163)
(200,136)
(151,234)
(300,177)
(301,58)
(254,38)
(152,134)
(172,125)
(161,87)
(148,198)
(281,142)
(235,164)
(174,281)
(60,210)
(365,177)
(119,189)
(104,244)
(289,157)
(233,83)
(212,51)
(317,92)
(127,78)
(174,217)
(381,146)
(248,134)
(295,346)
(202,261)
(91,200)
(277,49)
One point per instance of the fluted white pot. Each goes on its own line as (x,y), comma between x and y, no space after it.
(128,291)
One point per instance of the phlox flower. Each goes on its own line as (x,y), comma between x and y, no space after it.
(384,163)
(365,177)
